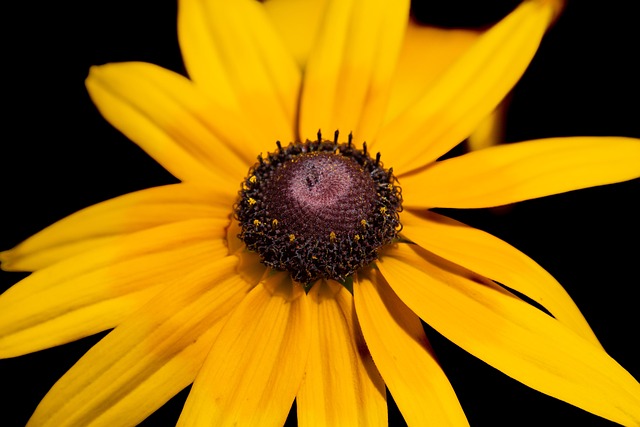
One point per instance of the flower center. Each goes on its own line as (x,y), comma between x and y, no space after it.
(318,209)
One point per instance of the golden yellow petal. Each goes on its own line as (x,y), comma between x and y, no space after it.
(98,225)
(426,54)
(298,23)
(403,355)
(20,259)
(200,54)
(347,79)
(511,335)
(151,356)
(491,130)
(468,92)
(526,170)
(57,305)
(190,135)
(231,50)
(495,259)
(154,240)
(255,366)
(341,386)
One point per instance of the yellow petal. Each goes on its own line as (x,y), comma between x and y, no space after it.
(190,135)
(150,357)
(154,240)
(97,225)
(491,257)
(511,335)
(45,310)
(426,54)
(491,130)
(255,366)
(347,79)
(20,259)
(297,22)
(468,92)
(341,386)
(526,170)
(403,355)
(232,51)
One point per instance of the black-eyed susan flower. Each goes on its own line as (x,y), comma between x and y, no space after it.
(300,269)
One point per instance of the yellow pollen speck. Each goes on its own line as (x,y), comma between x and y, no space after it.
(256,222)
(253,179)
(363,222)
(274,222)
(383,210)
(356,237)
(332,236)
(292,237)
(245,186)
(251,201)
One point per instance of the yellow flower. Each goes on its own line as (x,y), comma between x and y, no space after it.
(189,304)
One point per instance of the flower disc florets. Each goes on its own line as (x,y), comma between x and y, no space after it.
(318,209)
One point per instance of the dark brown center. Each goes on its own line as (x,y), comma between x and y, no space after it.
(318,209)
(318,193)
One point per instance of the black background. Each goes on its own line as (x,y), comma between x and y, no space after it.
(58,155)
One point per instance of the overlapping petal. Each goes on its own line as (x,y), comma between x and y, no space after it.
(468,92)
(190,135)
(403,355)
(526,170)
(94,291)
(341,385)
(298,23)
(126,246)
(426,54)
(512,336)
(255,366)
(496,259)
(151,356)
(347,79)
(491,130)
(100,224)
(233,53)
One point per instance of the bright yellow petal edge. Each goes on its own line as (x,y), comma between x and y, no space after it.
(510,335)
(292,340)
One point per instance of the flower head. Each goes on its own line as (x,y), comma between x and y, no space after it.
(305,274)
